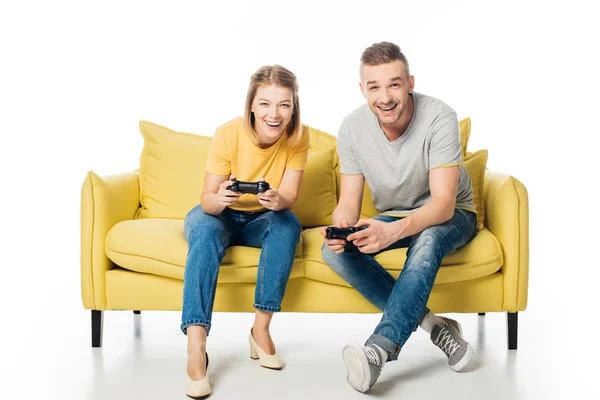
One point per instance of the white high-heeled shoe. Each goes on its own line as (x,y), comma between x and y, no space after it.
(271,361)
(198,389)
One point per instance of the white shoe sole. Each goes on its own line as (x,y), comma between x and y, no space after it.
(468,355)
(464,361)
(357,366)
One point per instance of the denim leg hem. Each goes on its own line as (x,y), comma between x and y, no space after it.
(385,343)
(266,308)
(191,322)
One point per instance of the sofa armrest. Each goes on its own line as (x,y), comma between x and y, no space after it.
(104,202)
(507,217)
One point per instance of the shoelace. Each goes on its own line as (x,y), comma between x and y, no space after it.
(446,342)
(373,356)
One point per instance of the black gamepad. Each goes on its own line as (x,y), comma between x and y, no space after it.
(248,187)
(331,232)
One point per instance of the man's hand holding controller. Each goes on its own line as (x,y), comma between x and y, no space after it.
(336,236)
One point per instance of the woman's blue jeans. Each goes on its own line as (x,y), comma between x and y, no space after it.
(402,301)
(277,232)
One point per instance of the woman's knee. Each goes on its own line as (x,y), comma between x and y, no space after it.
(284,221)
(197,222)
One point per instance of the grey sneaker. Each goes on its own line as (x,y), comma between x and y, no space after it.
(364,365)
(449,339)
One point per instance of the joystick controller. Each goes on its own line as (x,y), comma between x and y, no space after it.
(331,232)
(248,187)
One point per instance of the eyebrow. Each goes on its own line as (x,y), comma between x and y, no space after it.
(268,101)
(397,78)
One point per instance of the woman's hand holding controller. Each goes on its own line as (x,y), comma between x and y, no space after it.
(269,199)
(227,197)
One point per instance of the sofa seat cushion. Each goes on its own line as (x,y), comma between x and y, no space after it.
(157,246)
(480,257)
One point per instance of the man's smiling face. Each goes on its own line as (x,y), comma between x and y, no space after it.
(386,88)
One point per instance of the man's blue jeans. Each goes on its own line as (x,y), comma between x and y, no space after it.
(277,232)
(402,301)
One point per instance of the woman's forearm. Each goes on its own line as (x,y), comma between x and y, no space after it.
(210,204)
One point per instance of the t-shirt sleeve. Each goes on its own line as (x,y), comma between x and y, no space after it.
(444,146)
(299,155)
(219,162)
(348,162)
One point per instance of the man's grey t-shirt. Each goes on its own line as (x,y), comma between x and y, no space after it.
(398,172)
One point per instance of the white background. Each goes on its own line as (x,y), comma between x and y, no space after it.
(77,77)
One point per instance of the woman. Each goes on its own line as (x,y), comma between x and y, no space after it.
(268,143)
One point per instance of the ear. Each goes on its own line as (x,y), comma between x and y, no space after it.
(411,83)
(362,90)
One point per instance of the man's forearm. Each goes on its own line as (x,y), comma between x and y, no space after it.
(435,212)
(344,213)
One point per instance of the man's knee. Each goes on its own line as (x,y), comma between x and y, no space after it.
(428,239)
(327,255)
(424,256)
(335,261)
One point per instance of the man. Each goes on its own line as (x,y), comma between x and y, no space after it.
(406,145)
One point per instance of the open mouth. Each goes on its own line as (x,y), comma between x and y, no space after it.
(273,124)
(386,109)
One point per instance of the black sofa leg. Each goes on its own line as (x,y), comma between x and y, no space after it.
(481,313)
(137,312)
(512,329)
(97,324)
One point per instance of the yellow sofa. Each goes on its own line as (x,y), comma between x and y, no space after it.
(133,251)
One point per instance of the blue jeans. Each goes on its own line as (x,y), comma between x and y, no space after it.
(277,232)
(402,301)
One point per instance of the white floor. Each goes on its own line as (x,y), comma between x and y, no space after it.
(143,357)
(46,350)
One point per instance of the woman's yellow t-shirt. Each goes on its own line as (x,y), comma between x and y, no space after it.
(233,152)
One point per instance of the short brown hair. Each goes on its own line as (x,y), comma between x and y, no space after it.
(383,53)
(280,76)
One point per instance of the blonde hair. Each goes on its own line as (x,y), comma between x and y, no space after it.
(280,76)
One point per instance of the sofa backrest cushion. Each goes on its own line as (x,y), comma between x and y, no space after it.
(318,191)
(172,168)
(317,197)
(475,164)
(464,128)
